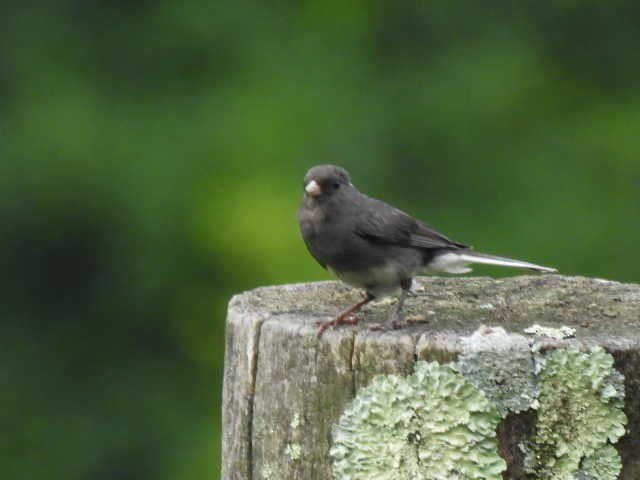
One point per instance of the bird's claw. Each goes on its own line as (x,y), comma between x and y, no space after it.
(378,327)
(398,324)
(350,319)
(391,325)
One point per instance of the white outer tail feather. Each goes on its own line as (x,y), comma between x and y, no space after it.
(454,262)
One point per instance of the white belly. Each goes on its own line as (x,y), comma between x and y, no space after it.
(379,281)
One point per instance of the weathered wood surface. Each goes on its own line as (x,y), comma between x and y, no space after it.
(284,388)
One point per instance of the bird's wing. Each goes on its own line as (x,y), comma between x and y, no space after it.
(382,223)
(427,237)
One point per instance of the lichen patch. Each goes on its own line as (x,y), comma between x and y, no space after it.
(431,425)
(501,365)
(294,451)
(557,333)
(580,417)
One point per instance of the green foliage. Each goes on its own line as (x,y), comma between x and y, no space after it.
(151,156)
(580,414)
(430,425)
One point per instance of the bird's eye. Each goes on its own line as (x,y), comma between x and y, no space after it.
(336,185)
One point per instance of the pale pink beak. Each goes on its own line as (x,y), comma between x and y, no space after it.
(313,189)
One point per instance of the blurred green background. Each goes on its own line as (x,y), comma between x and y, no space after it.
(151,161)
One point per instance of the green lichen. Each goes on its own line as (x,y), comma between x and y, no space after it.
(603,465)
(295,422)
(267,472)
(557,333)
(294,451)
(500,364)
(431,425)
(580,416)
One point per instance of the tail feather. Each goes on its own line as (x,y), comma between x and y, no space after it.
(458,261)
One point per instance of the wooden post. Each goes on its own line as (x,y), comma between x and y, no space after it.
(564,400)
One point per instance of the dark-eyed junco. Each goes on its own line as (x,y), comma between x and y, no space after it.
(371,245)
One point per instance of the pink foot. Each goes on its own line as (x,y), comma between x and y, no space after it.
(339,320)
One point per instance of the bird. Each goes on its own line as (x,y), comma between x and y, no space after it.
(371,245)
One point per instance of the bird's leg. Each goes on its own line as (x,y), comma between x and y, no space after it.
(346,316)
(396,319)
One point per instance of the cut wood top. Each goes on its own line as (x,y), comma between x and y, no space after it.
(602,312)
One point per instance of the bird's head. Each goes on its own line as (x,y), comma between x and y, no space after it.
(325,181)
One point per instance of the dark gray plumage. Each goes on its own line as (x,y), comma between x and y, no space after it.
(371,245)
